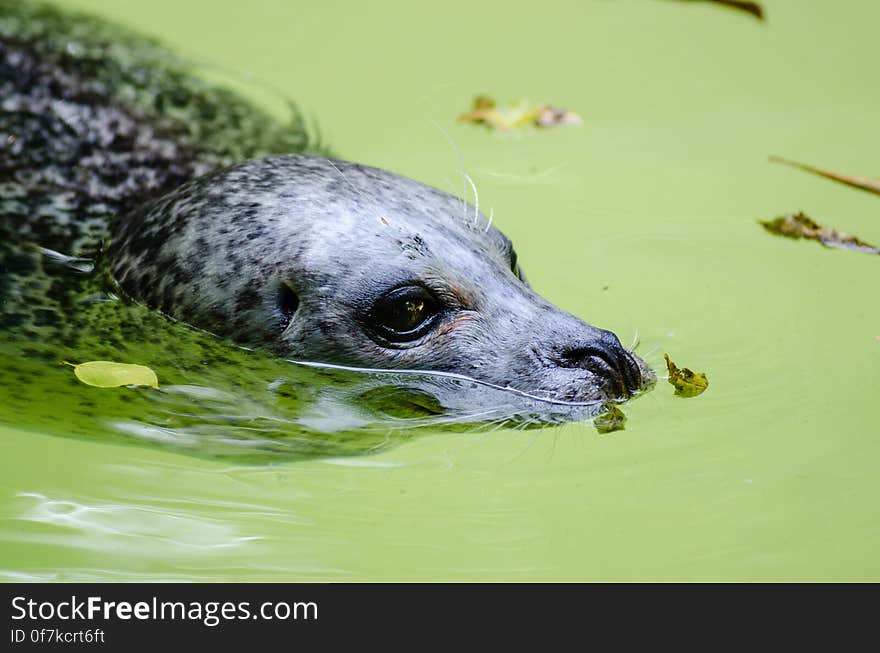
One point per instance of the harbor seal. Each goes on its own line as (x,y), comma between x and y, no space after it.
(223,219)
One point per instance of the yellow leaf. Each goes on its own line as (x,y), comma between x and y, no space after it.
(686,382)
(516,114)
(106,374)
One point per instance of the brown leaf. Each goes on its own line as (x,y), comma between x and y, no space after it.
(799,225)
(872,185)
(550,116)
(752,8)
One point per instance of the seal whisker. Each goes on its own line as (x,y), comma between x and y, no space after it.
(478,416)
(489,223)
(348,181)
(636,341)
(528,446)
(535,178)
(489,425)
(653,350)
(553,446)
(452,191)
(460,162)
(476,197)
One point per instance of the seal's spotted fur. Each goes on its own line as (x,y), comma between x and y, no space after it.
(93,121)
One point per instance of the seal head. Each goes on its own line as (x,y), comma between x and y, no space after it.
(329,261)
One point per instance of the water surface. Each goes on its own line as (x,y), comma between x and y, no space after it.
(643,220)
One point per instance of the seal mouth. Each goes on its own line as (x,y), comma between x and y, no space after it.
(617,370)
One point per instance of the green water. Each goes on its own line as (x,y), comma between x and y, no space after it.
(642,221)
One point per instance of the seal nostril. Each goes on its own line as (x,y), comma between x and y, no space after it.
(608,359)
(625,363)
(598,361)
(632,372)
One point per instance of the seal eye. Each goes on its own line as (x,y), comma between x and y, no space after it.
(405,314)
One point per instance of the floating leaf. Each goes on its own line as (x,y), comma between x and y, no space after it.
(106,374)
(798,225)
(611,420)
(686,382)
(752,8)
(872,185)
(487,112)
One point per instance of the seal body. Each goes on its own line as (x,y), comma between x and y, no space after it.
(212,221)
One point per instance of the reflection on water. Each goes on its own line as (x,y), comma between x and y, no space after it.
(140,528)
(197,534)
(217,399)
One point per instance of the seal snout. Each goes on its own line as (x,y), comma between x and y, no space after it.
(606,359)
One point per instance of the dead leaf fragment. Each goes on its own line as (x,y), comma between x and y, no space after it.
(485,111)
(482,102)
(869,184)
(550,116)
(752,8)
(799,225)
(611,420)
(686,382)
(107,374)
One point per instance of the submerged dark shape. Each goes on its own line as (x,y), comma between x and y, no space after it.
(799,225)
(223,219)
(869,184)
